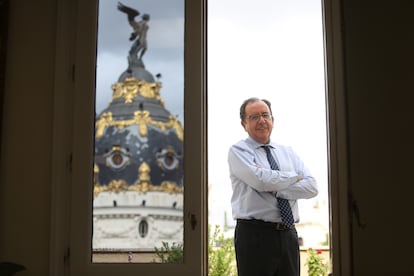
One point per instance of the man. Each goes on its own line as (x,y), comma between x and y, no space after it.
(267,180)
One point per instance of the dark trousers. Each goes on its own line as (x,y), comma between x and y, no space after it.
(264,250)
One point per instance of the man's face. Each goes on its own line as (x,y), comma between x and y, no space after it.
(258,122)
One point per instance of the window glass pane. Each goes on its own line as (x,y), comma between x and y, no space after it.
(276,53)
(139,131)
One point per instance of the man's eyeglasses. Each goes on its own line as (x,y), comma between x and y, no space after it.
(256,117)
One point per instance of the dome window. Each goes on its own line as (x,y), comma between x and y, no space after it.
(167,159)
(118,158)
(143,228)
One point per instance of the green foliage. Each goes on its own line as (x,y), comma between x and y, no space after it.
(317,265)
(221,254)
(167,254)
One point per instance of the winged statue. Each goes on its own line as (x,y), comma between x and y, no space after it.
(140,30)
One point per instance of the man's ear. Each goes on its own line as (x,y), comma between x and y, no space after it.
(244,125)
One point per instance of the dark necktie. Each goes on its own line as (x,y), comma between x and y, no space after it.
(283,204)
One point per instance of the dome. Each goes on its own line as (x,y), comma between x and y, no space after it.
(138,163)
(138,143)
(137,70)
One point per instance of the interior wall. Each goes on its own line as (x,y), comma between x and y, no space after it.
(4,19)
(379,72)
(27,136)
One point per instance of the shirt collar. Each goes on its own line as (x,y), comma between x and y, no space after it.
(257,145)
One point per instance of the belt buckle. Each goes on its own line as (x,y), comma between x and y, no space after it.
(281,226)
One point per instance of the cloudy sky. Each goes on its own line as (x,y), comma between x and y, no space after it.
(272,49)
(165,48)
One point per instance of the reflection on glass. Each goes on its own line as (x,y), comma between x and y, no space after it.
(138,160)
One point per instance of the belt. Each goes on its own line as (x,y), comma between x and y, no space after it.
(275,225)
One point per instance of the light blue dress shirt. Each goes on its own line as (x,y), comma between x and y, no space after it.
(255,185)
